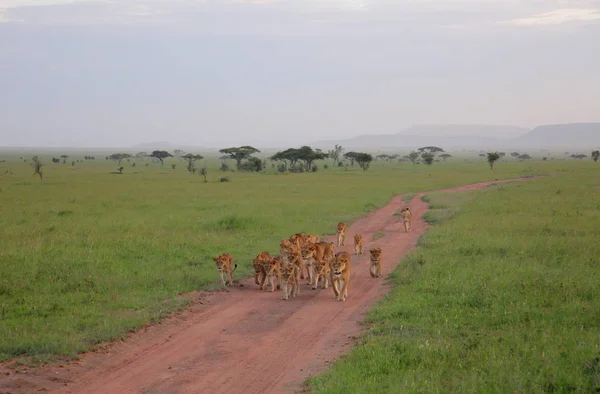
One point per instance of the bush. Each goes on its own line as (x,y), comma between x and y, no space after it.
(314,168)
(252,164)
(281,167)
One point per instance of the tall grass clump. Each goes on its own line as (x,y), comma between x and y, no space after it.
(501,296)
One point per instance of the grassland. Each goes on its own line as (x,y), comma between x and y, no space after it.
(501,296)
(87,255)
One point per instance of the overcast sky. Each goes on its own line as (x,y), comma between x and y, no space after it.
(217,73)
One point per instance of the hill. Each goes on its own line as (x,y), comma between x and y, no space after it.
(447,136)
(556,136)
(569,135)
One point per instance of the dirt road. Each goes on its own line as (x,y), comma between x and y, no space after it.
(242,340)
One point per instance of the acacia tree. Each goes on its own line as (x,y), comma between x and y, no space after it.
(524,156)
(141,156)
(596,155)
(305,154)
(240,153)
(191,159)
(179,154)
(428,153)
(492,157)
(308,156)
(335,153)
(515,155)
(445,156)
(161,155)
(119,157)
(427,157)
(64,157)
(351,156)
(288,155)
(413,156)
(578,156)
(37,165)
(431,149)
(252,164)
(364,160)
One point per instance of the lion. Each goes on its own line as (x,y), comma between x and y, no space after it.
(341,234)
(317,254)
(301,239)
(358,244)
(260,274)
(375,269)
(340,275)
(223,263)
(322,272)
(272,271)
(290,285)
(290,253)
(406,219)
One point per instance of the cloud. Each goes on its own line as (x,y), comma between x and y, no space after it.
(556,17)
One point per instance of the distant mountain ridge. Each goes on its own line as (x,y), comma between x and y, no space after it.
(562,135)
(570,135)
(566,136)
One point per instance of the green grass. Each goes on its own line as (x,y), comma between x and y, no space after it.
(378,234)
(87,256)
(408,197)
(501,296)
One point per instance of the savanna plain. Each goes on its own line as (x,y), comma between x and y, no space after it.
(501,294)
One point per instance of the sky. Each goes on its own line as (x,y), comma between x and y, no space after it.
(281,73)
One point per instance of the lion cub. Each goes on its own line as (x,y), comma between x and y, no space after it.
(375,269)
(301,240)
(315,254)
(340,275)
(223,263)
(290,253)
(290,285)
(358,244)
(321,272)
(341,234)
(407,219)
(260,274)
(272,271)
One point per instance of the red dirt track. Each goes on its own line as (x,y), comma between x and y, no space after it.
(242,340)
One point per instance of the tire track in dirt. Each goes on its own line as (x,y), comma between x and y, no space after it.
(243,340)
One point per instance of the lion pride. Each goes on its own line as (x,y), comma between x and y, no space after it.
(223,263)
(375,268)
(340,275)
(358,244)
(406,219)
(341,234)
